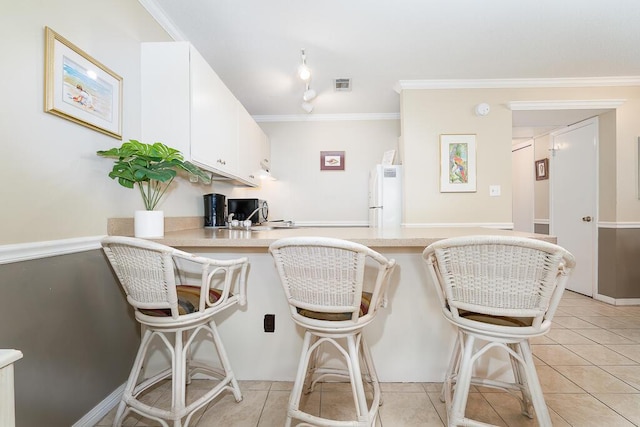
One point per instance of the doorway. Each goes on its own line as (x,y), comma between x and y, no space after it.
(573,183)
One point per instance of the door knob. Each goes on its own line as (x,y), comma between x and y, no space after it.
(586,218)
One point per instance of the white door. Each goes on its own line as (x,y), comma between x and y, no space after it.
(522,174)
(573,175)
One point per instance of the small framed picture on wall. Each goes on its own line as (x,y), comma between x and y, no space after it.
(332,160)
(542,169)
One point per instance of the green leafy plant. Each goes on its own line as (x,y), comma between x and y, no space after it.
(151,166)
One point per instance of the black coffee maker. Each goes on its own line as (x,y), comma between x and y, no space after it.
(215,210)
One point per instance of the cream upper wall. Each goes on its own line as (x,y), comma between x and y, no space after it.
(428,113)
(54,185)
(302,191)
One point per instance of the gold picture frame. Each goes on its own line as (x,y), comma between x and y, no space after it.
(458,163)
(79,88)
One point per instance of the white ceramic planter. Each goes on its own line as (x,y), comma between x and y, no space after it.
(148,224)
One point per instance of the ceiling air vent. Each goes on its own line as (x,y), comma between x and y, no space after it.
(342,85)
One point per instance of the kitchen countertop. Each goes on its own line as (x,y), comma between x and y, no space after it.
(418,237)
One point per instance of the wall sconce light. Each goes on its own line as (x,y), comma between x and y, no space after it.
(309,94)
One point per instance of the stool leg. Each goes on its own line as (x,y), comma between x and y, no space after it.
(463,382)
(371,371)
(521,380)
(452,371)
(296,391)
(224,360)
(355,373)
(537,397)
(178,378)
(133,376)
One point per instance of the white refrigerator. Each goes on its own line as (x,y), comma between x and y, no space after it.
(385,196)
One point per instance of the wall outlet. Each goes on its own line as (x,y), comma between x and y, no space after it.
(494,190)
(269,322)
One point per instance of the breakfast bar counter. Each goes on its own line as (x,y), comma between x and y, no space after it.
(410,340)
(263,236)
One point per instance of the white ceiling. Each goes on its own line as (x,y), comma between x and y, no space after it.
(254,45)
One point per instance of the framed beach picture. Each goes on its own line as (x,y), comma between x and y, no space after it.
(457,163)
(81,89)
(332,160)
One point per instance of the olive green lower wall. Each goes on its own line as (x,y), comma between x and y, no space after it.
(618,266)
(70,319)
(541,228)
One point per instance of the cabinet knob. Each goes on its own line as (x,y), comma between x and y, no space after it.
(586,218)
(222,162)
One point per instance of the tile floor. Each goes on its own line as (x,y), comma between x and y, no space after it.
(588,364)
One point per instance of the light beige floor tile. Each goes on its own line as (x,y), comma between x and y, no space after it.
(557,355)
(595,380)
(604,322)
(402,388)
(553,381)
(628,374)
(274,412)
(632,334)
(281,386)
(602,336)
(600,355)
(627,405)
(255,385)
(631,322)
(432,387)
(572,322)
(434,397)
(567,336)
(583,410)
(632,351)
(479,409)
(509,409)
(544,339)
(225,411)
(337,405)
(408,409)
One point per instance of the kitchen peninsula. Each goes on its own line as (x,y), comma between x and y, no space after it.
(410,340)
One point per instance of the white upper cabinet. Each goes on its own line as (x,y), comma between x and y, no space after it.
(186,106)
(214,119)
(253,147)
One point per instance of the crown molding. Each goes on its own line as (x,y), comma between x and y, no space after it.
(581,104)
(517,83)
(326,117)
(161,18)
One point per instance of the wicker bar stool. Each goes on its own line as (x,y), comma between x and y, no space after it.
(498,291)
(175,296)
(324,282)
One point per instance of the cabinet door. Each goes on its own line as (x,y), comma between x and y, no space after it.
(250,153)
(214,119)
(165,112)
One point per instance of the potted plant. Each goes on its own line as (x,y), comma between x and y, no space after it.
(152,167)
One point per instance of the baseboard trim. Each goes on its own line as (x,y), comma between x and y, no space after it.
(102,409)
(34,250)
(617,301)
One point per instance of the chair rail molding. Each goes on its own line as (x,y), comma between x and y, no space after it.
(34,250)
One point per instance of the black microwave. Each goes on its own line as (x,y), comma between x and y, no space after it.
(242,209)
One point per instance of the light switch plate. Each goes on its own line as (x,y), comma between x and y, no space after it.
(494,190)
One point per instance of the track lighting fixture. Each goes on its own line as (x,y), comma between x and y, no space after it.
(305,74)
(303,71)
